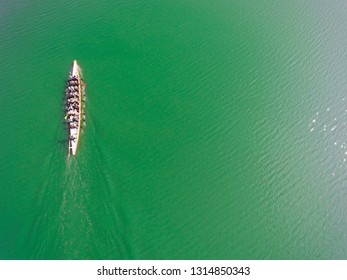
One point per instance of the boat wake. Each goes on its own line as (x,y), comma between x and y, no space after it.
(62,214)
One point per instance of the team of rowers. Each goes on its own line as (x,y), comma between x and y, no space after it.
(72,104)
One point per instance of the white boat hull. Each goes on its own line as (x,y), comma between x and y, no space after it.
(74,132)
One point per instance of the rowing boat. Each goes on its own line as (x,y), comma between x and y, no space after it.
(75,89)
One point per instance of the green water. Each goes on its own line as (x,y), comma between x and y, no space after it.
(215,130)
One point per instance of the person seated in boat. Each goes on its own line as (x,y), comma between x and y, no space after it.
(72,112)
(73,107)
